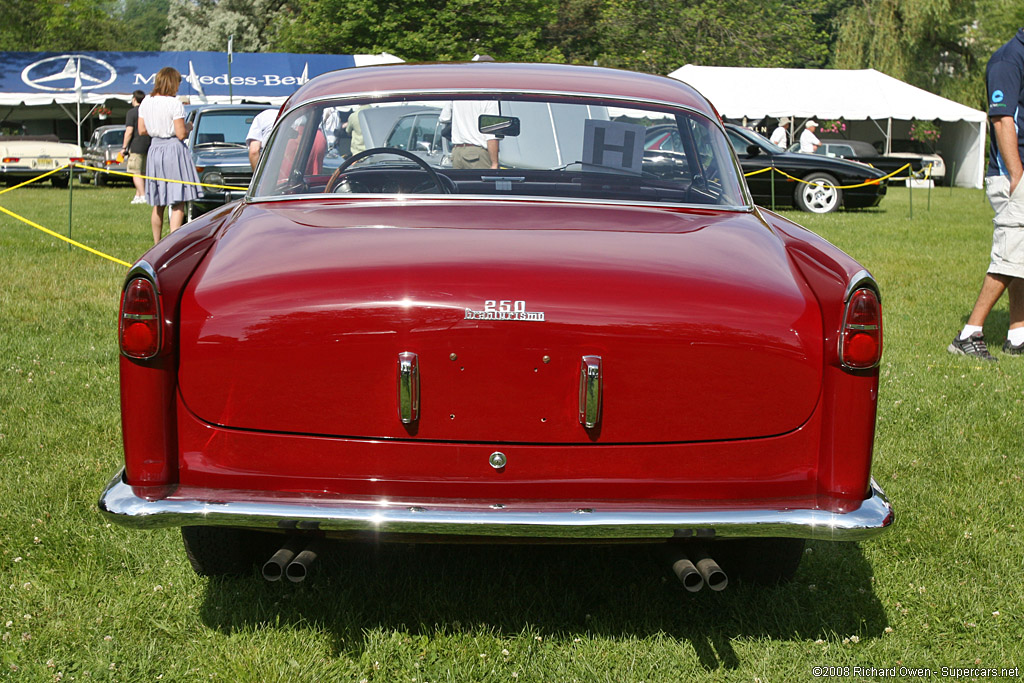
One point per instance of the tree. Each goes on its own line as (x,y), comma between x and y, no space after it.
(939,45)
(423,30)
(575,31)
(207,24)
(146,23)
(59,25)
(659,36)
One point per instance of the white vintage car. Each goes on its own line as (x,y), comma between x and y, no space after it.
(23,157)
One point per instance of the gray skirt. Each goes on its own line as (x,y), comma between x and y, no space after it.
(169,158)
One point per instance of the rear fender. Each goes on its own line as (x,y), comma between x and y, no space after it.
(148,416)
(850,397)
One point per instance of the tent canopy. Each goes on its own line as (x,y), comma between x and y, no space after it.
(826,93)
(39,91)
(851,95)
(42,78)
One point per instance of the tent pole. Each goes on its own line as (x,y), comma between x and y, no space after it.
(888,138)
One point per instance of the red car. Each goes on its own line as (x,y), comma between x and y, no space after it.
(572,346)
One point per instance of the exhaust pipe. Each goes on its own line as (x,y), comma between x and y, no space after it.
(298,568)
(712,574)
(684,569)
(274,568)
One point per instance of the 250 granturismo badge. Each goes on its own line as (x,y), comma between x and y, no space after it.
(504,309)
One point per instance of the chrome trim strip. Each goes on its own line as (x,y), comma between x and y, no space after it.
(142,269)
(862,278)
(120,504)
(390,199)
(408,387)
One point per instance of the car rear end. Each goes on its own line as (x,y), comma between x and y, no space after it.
(26,157)
(484,367)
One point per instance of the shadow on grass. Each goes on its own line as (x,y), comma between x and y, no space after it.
(553,591)
(996,324)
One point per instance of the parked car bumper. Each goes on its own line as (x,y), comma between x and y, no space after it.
(22,173)
(604,521)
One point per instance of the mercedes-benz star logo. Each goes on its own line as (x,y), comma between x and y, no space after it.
(67,73)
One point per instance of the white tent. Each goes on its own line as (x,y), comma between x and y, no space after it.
(875,106)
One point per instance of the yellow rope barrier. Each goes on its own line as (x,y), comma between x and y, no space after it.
(32,180)
(837,187)
(166,180)
(51,232)
(62,237)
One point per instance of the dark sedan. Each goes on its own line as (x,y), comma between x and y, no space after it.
(809,182)
(217,142)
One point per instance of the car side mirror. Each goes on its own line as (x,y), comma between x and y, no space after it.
(753,150)
(499,126)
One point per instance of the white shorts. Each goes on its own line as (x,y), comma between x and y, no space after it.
(1008,235)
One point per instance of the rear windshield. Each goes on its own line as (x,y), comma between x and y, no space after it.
(555,147)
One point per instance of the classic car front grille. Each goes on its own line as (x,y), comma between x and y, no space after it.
(237,179)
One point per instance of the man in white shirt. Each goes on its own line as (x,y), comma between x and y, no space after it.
(470,147)
(780,136)
(809,142)
(261,126)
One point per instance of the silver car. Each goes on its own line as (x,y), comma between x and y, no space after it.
(102,152)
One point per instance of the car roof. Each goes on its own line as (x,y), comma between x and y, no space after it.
(226,107)
(501,77)
(860,147)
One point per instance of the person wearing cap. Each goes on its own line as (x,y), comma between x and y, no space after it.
(780,136)
(809,142)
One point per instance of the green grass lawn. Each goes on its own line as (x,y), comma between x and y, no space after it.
(83,600)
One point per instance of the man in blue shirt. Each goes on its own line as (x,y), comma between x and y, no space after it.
(1004,77)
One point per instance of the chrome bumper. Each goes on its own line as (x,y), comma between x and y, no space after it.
(254,509)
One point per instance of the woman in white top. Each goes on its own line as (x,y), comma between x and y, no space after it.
(162,117)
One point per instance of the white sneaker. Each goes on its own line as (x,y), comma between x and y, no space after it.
(139,199)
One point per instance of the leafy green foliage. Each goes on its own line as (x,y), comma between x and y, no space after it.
(208,24)
(58,25)
(424,30)
(660,36)
(145,23)
(939,45)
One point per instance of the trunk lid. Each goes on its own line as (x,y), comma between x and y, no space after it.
(296,319)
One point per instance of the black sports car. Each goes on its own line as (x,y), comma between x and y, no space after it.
(810,182)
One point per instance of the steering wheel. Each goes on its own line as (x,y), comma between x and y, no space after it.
(434,177)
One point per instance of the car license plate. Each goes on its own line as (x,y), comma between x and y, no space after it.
(44,163)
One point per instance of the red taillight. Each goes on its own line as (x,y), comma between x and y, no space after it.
(860,344)
(76,160)
(11,160)
(140,320)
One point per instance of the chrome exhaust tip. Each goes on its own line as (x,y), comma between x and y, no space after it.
(713,576)
(298,568)
(274,568)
